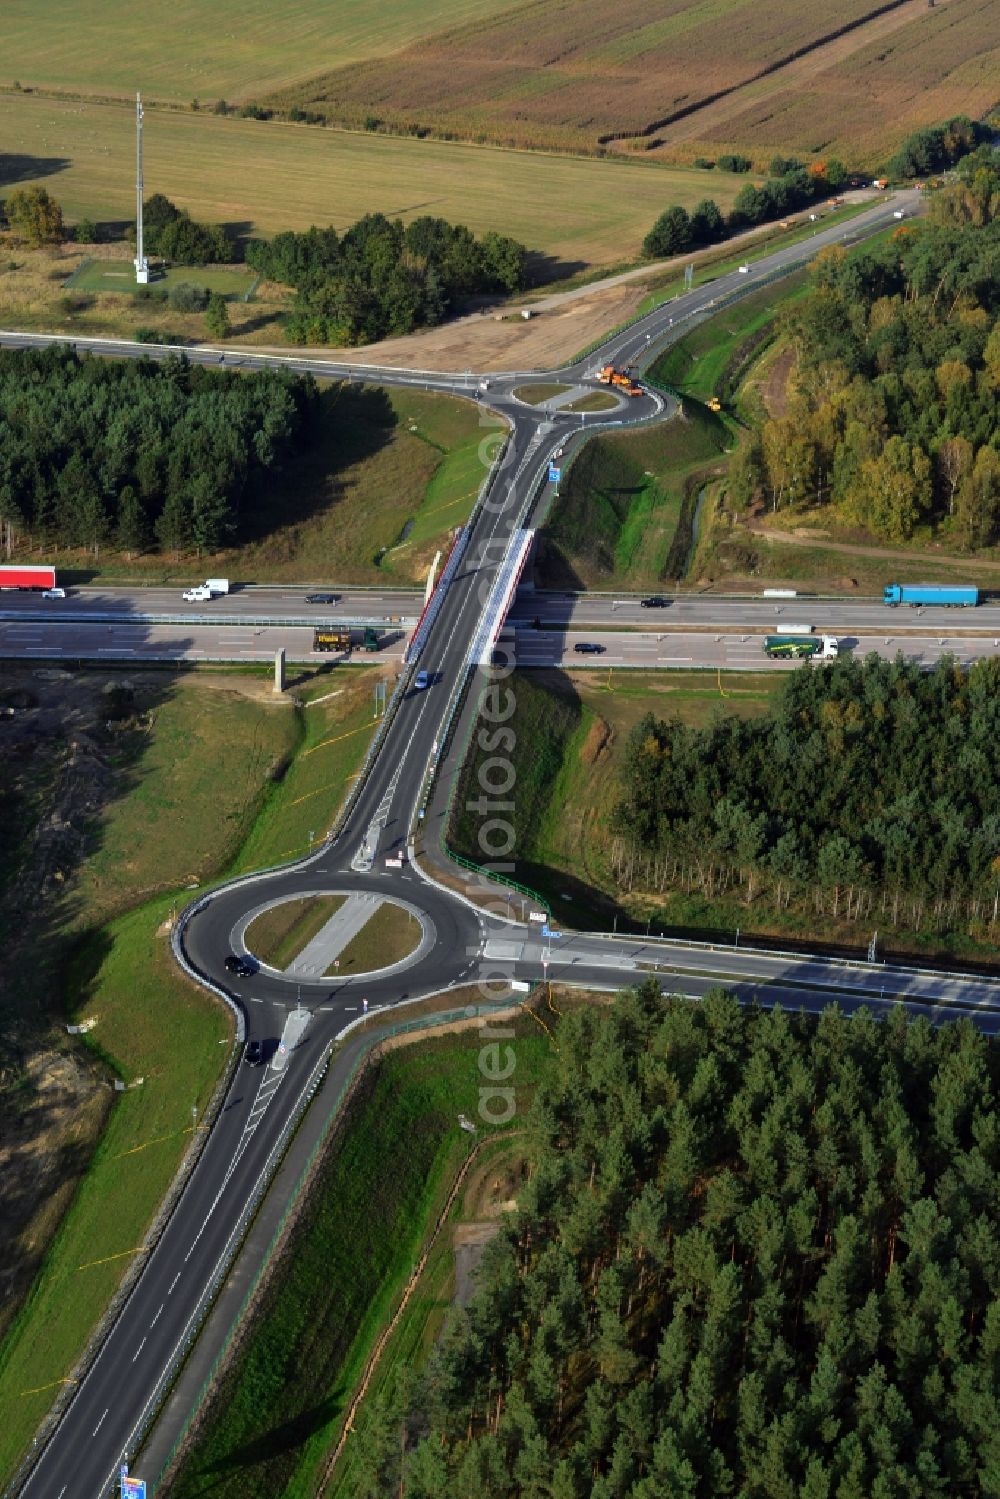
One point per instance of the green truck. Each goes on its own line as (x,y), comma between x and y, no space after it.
(341,639)
(796,647)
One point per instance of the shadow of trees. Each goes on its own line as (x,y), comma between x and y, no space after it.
(17,167)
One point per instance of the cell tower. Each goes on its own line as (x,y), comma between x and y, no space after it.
(141,263)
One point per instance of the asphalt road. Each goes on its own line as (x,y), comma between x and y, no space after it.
(683,612)
(248,603)
(114,1403)
(139,642)
(660,651)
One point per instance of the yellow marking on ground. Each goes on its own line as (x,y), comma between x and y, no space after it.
(722,690)
(121,1255)
(323,744)
(39,1388)
(538,1019)
(157,1141)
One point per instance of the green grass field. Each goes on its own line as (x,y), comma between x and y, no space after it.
(349,1256)
(279,934)
(570,730)
(119,276)
(301,802)
(405,1355)
(618,520)
(264,177)
(702,363)
(234,50)
(210,753)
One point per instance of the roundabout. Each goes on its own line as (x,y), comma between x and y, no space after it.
(387,850)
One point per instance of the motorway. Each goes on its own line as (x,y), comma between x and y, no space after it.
(677,651)
(397,812)
(138,630)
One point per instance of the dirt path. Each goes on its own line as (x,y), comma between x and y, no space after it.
(714,116)
(859,549)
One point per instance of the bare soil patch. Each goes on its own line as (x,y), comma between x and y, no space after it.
(774,387)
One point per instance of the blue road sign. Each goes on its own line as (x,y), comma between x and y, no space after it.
(548,932)
(555,474)
(133,1488)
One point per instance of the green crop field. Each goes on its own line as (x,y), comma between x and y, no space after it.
(268,176)
(189,49)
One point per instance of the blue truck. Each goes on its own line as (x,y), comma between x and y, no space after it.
(929,593)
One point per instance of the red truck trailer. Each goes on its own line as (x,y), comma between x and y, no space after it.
(27,577)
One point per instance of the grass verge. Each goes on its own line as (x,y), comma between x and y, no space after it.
(279,934)
(201,754)
(708,361)
(350,1253)
(621,517)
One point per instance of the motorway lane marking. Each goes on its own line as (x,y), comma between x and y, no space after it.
(270,1082)
(174,1282)
(99,1424)
(138,1350)
(157,1317)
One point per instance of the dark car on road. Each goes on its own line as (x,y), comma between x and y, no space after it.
(322,598)
(239,966)
(655,601)
(588,648)
(254,1054)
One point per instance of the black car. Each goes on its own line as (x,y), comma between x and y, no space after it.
(322,598)
(239,966)
(655,601)
(588,648)
(254,1054)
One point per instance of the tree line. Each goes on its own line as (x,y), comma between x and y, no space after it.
(380,279)
(789,187)
(894,412)
(937,147)
(136,453)
(865,780)
(757,1256)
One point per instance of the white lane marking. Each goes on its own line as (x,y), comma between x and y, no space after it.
(157,1317)
(138,1350)
(99,1424)
(174,1282)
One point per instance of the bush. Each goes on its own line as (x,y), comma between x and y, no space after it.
(670,235)
(85,232)
(734,163)
(704,163)
(186,297)
(217,316)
